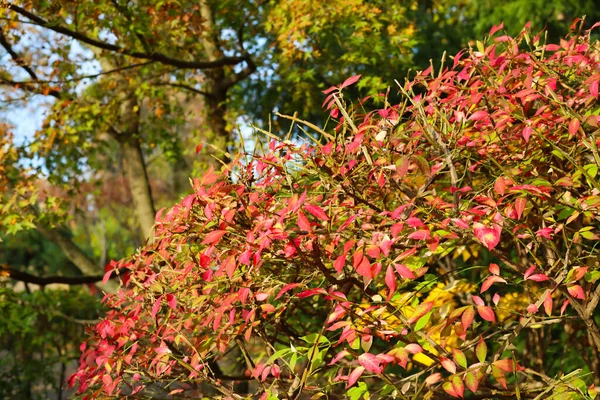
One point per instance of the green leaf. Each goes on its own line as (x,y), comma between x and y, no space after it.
(356,392)
(422,321)
(481,350)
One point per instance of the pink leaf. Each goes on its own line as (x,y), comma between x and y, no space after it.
(489,237)
(423,234)
(494,269)
(527,131)
(594,89)
(404,272)
(538,278)
(339,356)
(433,378)
(316,211)
(490,281)
(576,291)
(311,292)
(532,308)
(350,81)
(448,365)
(413,348)
(478,301)
(496,299)
(496,28)
(371,363)
(478,115)
(564,306)
(353,377)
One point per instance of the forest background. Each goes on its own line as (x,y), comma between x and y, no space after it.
(110,106)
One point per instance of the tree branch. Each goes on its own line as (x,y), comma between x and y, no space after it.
(12,273)
(75,255)
(159,57)
(16,57)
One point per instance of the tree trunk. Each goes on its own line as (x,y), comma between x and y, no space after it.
(135,169)
(76,256)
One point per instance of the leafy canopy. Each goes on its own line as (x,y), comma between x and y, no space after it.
(423,250)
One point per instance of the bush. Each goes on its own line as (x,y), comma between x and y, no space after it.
(437,245)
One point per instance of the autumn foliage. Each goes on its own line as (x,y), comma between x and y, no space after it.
(428,249)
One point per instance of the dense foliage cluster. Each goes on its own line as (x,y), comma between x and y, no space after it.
(429,248)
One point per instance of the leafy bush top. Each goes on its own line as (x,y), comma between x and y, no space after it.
(414,253)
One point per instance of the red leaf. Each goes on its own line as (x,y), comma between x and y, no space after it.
(420,311)
(350,81)
(520,206)
(106,276)
(486,313)
(489,237)
(362,265)
(311,292)
(228,266)
(171,301)
(467,317)
(496,28)
(490,281)
(156,307)
(494,269)
(198,148)
(548,303)
(286,289)
(371,363)
(574,126)
(576,291)
(303,223)
(316,211)
(505,365)
(500,186)
(339,262)
(594,89)
(353,377)
(213,237)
